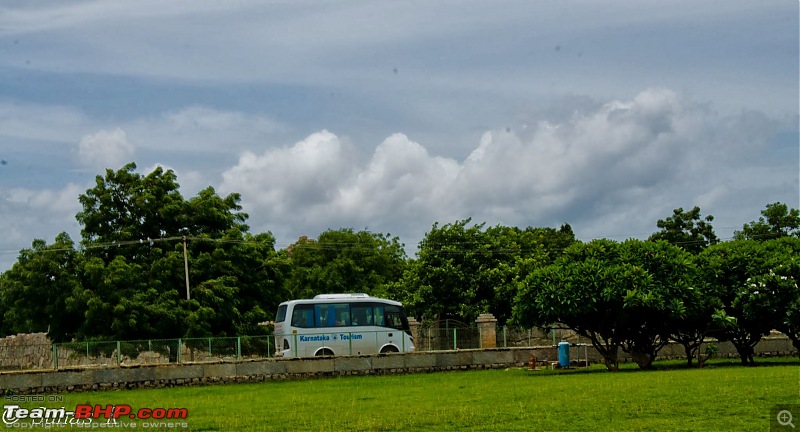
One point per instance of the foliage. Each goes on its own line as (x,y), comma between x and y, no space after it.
(128,281)
(462,271)
(777,220)
(344,261)
(741,276)
(33,292)
(619,295)
(687,230)
(780,287)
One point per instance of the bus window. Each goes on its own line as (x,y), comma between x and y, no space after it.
(303,316)
(342,312)
(333,315)
(395,318)
(379,321)
(362,314)
(281,315)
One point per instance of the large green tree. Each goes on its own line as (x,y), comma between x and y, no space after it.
(747,311)
(33,293)
(129,279)
(344,261)
(463,270)
(618,295)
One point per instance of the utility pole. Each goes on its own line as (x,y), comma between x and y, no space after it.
(186,268)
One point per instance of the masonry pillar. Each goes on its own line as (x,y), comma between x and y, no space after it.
(487,328)
(414,325)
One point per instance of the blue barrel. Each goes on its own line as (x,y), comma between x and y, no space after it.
(563,354)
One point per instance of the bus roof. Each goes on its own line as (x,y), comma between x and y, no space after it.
(340,296)
(334,298)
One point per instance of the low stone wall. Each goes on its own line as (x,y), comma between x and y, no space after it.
(221,372)
(169,375)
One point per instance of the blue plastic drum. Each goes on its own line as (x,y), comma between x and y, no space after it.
(563,354)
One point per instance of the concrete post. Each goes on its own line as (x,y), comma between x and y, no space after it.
(487,328)
(415,325)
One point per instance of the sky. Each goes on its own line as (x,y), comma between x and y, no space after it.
(390,116)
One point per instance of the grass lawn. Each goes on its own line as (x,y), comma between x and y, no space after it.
(721,396)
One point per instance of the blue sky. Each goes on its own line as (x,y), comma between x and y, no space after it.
(390,116)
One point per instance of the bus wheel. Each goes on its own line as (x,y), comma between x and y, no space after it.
(324,352)
(389,349)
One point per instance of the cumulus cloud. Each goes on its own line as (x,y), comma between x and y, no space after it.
(614,170)
(106,149)
(293,181)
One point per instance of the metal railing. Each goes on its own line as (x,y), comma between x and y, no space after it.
(157,351)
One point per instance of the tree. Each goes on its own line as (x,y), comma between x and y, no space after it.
(697,321)
(618,295)
(462,271)
(34,291)
(782,286)
(687,230)
(655,311)
(444,281)
(126,206)
(133,282)
(344,261)
(517,252)
(747,313)
(777,220)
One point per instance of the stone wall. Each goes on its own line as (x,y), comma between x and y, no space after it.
(169,375)
(222,372)
(26,351)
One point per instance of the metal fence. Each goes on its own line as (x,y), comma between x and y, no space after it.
(189,350)
(158,351)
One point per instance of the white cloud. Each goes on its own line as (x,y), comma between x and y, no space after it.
(106,148)
(293,181)
(612,171)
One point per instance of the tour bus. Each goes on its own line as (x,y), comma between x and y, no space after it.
(341,324)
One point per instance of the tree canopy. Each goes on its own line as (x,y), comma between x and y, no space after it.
(777,220)
(618,295)
(687,230)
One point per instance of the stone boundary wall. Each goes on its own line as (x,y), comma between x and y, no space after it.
(223,372)
(170,375)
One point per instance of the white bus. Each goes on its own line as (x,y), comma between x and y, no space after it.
(341,324)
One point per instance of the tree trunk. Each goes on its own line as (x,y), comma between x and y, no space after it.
(746,351)
(609,351)
(690,353)
(644,360)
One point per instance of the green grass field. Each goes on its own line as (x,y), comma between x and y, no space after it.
(722,396)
